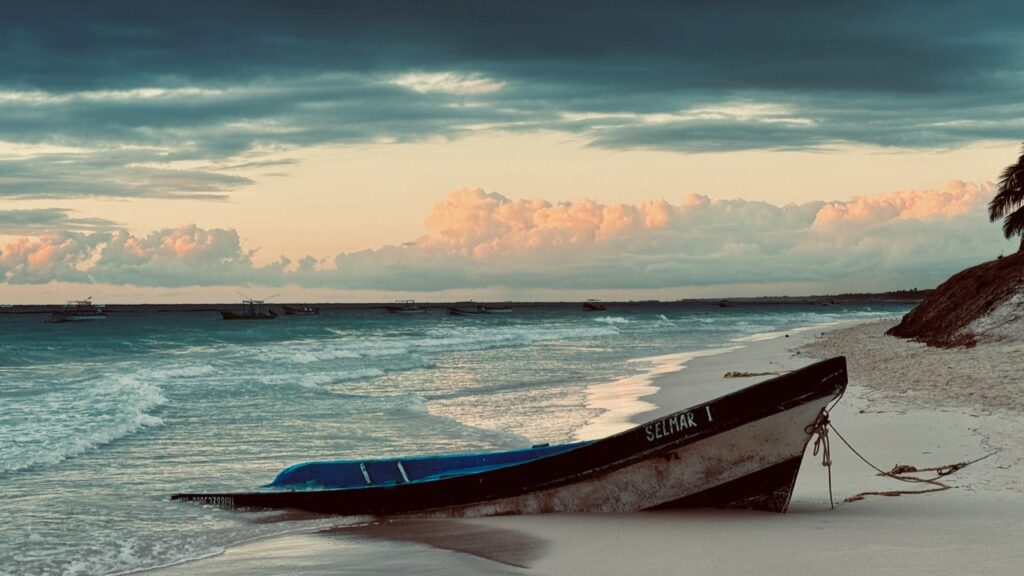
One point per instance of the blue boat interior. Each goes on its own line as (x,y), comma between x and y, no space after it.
(366,473)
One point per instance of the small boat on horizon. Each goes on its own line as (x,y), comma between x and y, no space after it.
(594,306)
(741,450)
(404,307)
(79,310)
(477,310)
(251,310)
(300,310)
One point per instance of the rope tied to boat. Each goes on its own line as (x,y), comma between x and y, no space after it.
(819,430)
(902,472)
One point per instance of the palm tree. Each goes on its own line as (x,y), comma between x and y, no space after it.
(1009,202)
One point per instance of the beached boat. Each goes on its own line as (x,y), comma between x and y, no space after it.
(742,450)
(251,310)
(404,307)
(300,310)
(79,310)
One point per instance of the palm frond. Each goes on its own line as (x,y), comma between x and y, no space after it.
(1013,225)
(1011,191)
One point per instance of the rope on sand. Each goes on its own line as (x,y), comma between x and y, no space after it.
(901,472)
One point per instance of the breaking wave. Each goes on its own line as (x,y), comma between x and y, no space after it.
(61,425)
(612,320)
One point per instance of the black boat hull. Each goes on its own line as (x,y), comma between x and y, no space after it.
(740,450)
(226,315)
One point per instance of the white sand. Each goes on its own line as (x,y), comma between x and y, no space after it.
(906,404)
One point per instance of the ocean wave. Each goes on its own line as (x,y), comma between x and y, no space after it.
(612,320)
(407,402)
(59,426)
(510,336)
(186,371)
(321,380)
(306,352)
(445,339)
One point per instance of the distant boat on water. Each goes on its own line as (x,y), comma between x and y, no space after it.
(251,310)
(478,310)
(594,306)
(78,310)
(404,307)
(301,310)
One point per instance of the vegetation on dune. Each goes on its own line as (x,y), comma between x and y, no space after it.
(1008,203)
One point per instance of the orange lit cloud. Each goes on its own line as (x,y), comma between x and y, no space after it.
(473,222)
(49,256)
(956,198)
(478,239)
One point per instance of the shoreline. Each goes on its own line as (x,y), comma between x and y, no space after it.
(760,355)
(683,379)
(909,534)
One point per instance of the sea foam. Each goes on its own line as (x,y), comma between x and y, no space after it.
(62,425)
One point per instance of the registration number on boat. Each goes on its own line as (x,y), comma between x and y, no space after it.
(673,424)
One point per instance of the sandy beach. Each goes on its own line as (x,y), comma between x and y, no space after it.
(906,404)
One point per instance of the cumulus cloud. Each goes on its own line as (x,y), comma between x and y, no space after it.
(48,257)
(182,256)
(955,199)
(480,239)
(476,223)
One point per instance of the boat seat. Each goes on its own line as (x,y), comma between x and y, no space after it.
(383,472)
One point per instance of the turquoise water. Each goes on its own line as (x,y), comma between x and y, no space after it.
(101,421)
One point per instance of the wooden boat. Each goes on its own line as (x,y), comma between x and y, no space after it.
(404,307)
(300,310)
(251,310)
(79,310)
(742,450)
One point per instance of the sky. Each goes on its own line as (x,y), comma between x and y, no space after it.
(544,150)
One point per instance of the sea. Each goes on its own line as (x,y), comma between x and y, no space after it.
(101,421)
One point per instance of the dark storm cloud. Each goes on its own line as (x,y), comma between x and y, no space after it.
(903,47)
(110,174)
(34,221)
(219,81)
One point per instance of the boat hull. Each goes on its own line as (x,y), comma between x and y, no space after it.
(236,316)
(741,450)
(61,317)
